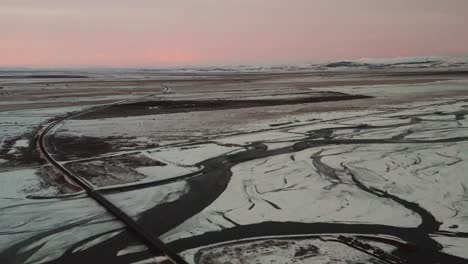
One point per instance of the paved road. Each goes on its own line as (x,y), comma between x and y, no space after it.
(152,242)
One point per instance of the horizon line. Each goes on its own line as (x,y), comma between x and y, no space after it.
(209,65)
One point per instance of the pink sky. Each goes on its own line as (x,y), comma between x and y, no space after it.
(176,32)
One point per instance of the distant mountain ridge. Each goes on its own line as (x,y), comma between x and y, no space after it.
(401,62)
(430,62)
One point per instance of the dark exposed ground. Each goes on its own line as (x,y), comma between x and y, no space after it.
(182,106)
(112,170)
(81,147)
(25,156)
(44,76)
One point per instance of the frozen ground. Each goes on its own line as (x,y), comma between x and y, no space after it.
(322,251)
(239,165)
(35,230)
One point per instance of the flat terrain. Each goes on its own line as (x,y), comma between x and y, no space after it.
(326,164)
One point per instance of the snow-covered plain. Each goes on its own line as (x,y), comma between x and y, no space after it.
(237,184)
(42,230)
(400,153)
(321,251)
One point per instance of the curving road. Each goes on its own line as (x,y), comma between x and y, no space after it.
(152,242)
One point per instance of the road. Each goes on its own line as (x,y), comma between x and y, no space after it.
(152,242)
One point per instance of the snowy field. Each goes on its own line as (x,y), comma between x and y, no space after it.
(244,165)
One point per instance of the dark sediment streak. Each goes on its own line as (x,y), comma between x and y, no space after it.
(182,106)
